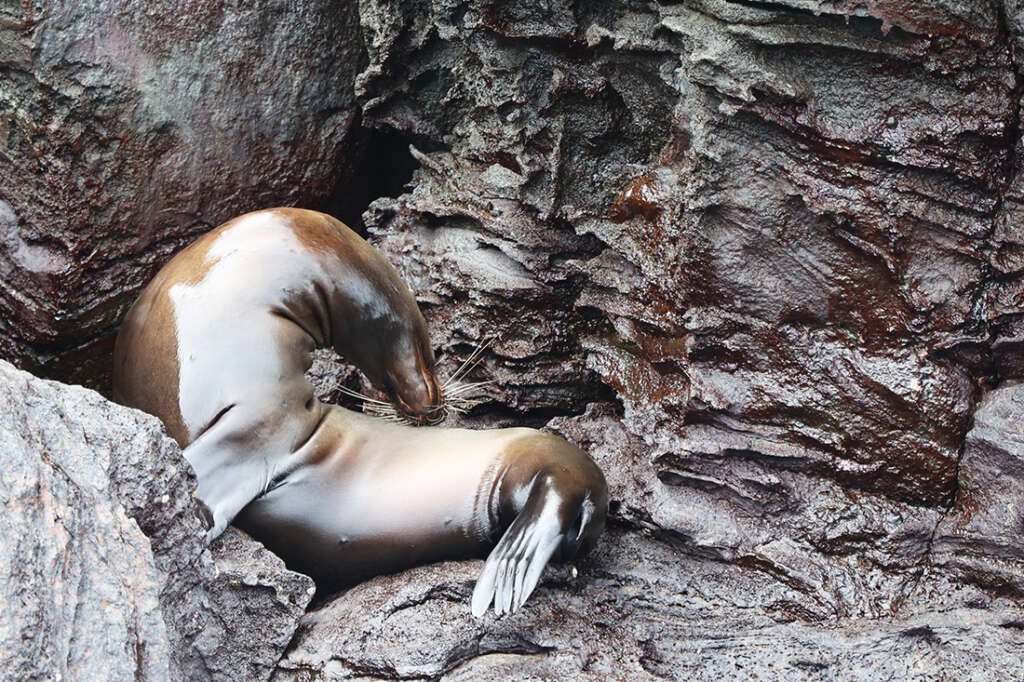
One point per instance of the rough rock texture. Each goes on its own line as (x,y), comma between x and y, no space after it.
(646,605)
(762,260)
(258,603)
(80,588)
(775,231)
(85,594)
(980,539)
(127,128)
(637,611)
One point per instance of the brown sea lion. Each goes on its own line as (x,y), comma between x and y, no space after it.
(217,347)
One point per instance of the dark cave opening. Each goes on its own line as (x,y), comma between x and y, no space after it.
(385,168)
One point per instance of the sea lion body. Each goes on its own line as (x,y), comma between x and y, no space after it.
(384,496)
(218,344)
(217,347)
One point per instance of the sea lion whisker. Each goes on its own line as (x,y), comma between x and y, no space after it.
(452,393)
(457,376)
(458,394)
(387,412)
(395,418)
(459,387)
(470,398)
(382,410)
(356,394)
(464,367)
(472,360)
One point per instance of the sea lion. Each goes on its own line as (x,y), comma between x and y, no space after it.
(217,347)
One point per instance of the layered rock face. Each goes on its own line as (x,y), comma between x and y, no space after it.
(763,260)
(784,235)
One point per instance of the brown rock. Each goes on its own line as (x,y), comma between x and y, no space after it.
(128,128)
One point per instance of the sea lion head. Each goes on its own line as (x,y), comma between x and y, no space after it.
(395,354)
(410,380)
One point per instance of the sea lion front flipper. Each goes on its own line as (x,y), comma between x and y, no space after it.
(515,564)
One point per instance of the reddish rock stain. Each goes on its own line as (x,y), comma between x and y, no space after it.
(640,198)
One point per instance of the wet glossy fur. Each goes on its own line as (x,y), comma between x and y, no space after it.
(217,346)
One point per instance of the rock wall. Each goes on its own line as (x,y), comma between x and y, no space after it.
(776,245)
(763,260)
(129,128)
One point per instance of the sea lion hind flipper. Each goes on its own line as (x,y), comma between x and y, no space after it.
(514,566)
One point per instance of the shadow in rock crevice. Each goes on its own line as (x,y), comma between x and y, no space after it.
(385,168)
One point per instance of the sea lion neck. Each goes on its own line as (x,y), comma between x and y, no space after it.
(335,287)
(364,292)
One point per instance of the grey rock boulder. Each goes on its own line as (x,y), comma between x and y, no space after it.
(81,587)
(103,569)
(257,603)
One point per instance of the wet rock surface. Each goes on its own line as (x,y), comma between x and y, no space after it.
(129,128)
(103,569)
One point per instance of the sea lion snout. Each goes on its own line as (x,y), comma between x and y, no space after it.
(419,398)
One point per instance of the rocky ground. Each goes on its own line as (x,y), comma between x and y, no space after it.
(763,260)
